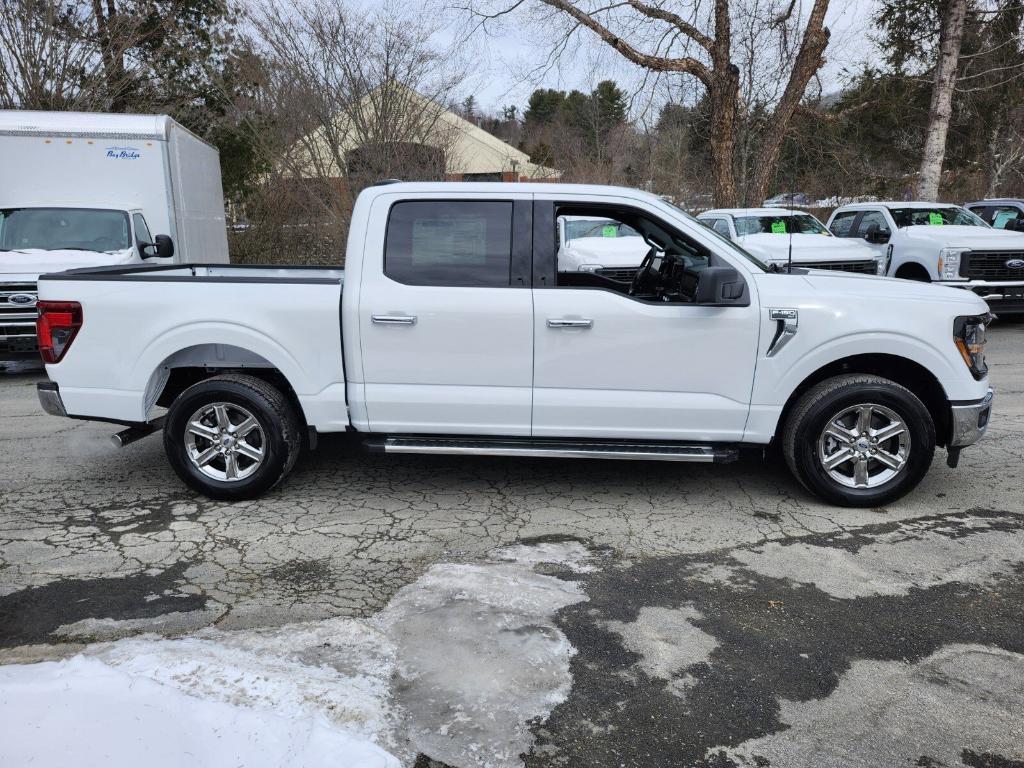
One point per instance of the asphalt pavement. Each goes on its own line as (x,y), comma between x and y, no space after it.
(730,619)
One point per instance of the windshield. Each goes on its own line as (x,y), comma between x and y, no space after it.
(798,224)
(724,240)
(575,228)
(54,229)
(935,217)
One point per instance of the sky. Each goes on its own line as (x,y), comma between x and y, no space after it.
(503,65)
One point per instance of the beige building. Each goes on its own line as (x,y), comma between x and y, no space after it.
(394,131)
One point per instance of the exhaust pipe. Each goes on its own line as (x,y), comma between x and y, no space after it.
(133,434)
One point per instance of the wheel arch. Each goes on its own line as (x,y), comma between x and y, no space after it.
(904,371)
(913,270)
(187,366)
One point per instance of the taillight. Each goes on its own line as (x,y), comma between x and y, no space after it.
(56,327)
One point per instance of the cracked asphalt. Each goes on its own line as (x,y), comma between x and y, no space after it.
(730,619)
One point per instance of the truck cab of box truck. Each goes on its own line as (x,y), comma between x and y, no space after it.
(93,190)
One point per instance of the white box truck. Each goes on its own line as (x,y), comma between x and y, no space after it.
(88,190)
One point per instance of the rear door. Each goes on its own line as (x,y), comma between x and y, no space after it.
(446,316)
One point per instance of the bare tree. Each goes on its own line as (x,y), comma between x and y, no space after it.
(46,61)
(684,37)
(941,110)
(346,97)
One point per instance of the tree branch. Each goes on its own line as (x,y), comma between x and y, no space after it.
(686,65)
(688,29)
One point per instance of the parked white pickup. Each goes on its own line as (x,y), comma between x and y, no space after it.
(941,243)
(781,237)
(458,334)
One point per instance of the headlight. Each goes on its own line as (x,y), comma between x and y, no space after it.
(969,337)
(949,263)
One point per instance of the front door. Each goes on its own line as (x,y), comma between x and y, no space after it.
(447,341)
(652,365)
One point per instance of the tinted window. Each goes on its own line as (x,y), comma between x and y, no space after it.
(936,216)
(842,222)
(141,230)
(876,218)
(1001,215)
(449,242)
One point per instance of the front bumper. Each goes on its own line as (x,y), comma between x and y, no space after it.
(49,398)
(970,421)
(1002,296)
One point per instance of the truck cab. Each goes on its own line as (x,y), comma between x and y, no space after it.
(941,243)
(780,237)
(1001,213)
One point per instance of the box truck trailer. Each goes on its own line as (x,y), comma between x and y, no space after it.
(89,190)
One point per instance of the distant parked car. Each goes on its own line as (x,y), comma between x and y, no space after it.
(941,243)
(1001,213)
(772,234)
(786,198)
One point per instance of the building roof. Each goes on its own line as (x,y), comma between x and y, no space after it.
(468,148)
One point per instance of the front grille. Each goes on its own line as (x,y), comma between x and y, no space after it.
(17,320)
(622,274)
(991,265)
(859,267)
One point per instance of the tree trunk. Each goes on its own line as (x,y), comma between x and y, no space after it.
(941,109)
(723,135)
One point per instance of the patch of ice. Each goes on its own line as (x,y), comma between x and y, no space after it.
(666,640)
(571,554)
(479,657)
(888,713)
(893,565)
(87,713)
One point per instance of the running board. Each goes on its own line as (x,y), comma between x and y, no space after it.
(565,449)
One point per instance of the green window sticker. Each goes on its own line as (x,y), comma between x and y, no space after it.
(609,230)
(935,219)
(778,227)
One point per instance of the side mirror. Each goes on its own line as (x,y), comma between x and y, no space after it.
(163,248)
(876,235)
(721,287)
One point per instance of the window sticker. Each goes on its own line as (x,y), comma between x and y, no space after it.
(1003,218)
(609,230)
(935,219)
(778,227)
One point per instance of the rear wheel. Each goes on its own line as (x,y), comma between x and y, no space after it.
(859,440)
(232,437)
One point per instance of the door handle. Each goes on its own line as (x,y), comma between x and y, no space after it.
(569,323)
(393,319)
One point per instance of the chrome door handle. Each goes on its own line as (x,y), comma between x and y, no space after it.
(393,319)
(569,323)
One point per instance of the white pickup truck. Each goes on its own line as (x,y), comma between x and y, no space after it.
(451,331)
(782,237)
(941,243)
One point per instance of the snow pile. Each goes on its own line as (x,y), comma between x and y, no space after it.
(86,713)
(455,667)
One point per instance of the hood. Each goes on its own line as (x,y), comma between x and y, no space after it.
(889,288)
(806,248)
(33,262)
(606,251)
(967,236)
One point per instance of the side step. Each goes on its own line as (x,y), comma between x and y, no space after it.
(555,448)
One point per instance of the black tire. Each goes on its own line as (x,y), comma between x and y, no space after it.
(808,418)
(280,438)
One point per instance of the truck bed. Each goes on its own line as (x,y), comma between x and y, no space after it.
(139,322)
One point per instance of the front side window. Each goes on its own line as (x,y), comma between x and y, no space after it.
(1002,215)
(142,236)
(63,229)
(872,219)
(721,227)
(797,224)
(936,216)
(459,243)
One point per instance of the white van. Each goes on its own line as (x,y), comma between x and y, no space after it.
(89,190)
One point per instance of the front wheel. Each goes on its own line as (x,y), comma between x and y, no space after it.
(232,437)
(859,441)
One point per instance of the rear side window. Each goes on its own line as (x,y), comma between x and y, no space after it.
(841,224)
(449,243)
